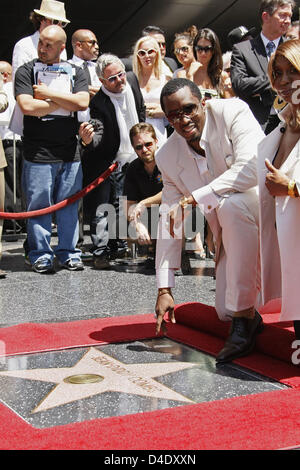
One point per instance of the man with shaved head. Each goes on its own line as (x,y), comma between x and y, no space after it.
(85,52)
(49,92)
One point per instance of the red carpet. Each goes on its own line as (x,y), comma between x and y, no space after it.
(264,421)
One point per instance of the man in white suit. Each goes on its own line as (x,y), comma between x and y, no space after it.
(210,160)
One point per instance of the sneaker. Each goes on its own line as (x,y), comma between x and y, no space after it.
(43,266)
(73,264)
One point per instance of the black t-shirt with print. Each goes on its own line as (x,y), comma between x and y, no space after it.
(54,139)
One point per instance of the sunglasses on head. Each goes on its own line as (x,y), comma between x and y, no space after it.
(143,53)
(113,78)
(203,48)
(141,146)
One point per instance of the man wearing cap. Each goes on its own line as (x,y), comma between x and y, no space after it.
(240,34)
(50,12)
(249,62)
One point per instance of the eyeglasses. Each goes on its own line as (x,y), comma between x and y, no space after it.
(205,49)
(141,146)
(143,53)
(162,44)
(183,49)
(92,42)
(62,24)
(113,78)
(188,111)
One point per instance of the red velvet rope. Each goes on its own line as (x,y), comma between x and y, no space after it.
(61,204)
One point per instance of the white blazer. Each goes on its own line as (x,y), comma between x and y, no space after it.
(229,138)
(279,232)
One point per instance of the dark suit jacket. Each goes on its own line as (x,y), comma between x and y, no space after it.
(99,155)
(249,65)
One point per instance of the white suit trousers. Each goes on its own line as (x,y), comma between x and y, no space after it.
(237,270)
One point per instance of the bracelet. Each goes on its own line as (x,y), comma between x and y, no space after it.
(164,290)
(291,188)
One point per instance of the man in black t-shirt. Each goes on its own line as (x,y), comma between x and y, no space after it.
(49,92)
(143,183)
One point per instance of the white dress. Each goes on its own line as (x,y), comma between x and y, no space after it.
(159,124)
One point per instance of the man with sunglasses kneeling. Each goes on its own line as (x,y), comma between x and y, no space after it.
(105,139)
(210,160)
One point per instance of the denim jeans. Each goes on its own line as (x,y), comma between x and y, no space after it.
(104,226)
(46,184)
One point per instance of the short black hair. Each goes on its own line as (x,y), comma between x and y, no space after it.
(174,85)
(152,29)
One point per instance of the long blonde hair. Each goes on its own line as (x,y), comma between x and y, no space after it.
(136,63)
(290,50)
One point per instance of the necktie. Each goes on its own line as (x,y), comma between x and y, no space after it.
(270,48)
(87,73)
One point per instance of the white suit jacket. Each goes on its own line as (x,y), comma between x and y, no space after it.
(229,138)
(279,232)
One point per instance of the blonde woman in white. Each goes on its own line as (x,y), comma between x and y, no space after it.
(147,65)
(279,187)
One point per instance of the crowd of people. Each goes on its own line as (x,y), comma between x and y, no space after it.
(217,132)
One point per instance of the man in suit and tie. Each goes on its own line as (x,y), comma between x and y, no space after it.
(105,139)
(209,160)
(85,53)
(249,62)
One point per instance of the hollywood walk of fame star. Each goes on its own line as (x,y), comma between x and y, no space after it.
(106,374)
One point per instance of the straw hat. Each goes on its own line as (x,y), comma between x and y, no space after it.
(53,10)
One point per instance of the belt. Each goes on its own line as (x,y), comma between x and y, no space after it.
(10,143)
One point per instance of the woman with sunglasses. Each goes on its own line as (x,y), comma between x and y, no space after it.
(183,50)
(147,65)
(279,189)
(207,72)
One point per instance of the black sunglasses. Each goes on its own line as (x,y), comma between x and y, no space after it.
(203,48)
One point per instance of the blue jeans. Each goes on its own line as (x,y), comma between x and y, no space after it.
(46,184)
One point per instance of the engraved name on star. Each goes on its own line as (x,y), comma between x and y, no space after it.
(113,375)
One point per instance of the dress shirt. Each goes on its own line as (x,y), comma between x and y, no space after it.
(91,68)
(84,116)
(276,42)
(266,41)
(5,132)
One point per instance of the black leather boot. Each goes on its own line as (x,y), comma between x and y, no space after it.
(241,339)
